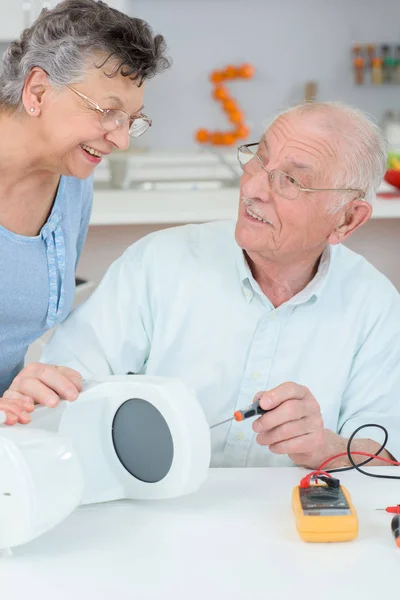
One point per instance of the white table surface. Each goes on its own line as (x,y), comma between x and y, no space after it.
(234,539)
(134,207)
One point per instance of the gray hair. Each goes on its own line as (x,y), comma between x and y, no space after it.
(363,146)
(62,40)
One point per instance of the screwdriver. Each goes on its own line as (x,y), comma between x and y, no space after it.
(395,524)
(240,415)
(391,509)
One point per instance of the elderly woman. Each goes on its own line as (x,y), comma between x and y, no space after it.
(71,91)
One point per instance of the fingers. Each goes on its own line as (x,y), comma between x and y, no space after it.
(290,410)
(41,392)
(15,411)
(289,430)
(293,423)
(303,445)
(41,384)
(27,400)
(47,384)
(73,376)
(286,391)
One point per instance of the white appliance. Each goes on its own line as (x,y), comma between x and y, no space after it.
(135,436)
(41,483)
(124,437)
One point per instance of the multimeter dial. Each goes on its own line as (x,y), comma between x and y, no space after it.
(321,500)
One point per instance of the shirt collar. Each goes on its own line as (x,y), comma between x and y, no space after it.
(312,289)
(316,285)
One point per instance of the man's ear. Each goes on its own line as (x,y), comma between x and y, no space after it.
(36,84)
(355,214)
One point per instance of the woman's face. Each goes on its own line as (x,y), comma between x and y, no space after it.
(68,128)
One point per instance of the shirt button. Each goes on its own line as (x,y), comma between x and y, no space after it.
(240,436)
(272,315)
(248,293)
(256,375)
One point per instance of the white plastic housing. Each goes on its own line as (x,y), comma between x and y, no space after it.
(88,421)
(41,483)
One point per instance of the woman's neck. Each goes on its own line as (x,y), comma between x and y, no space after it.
(22,153)
(27,185)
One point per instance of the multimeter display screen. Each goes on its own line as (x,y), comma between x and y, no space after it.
(323,501)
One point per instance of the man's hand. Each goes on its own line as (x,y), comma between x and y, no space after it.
(38,383)
(294,426)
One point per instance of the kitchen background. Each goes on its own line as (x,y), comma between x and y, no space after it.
(171,178)
(288,42)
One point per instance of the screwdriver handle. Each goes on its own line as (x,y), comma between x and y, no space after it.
(395,526)
(250,411)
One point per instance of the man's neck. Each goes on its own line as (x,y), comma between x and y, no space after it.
(281,281)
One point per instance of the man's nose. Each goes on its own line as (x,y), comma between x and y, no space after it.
(257,185)
(120,137)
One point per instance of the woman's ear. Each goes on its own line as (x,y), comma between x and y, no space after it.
(36,84)
(354,215)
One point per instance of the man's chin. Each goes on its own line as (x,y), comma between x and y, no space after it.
(248,240)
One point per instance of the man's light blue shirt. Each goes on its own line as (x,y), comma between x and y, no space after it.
(183,303)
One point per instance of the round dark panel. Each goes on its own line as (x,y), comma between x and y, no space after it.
(142,440)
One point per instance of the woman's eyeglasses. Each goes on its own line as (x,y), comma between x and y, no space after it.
(112,118)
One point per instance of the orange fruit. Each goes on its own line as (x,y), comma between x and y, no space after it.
(242,131)
(229,139)
(216,76)
(202,136)
(246,71)
(220,92)
(236,117)
(217,138)
(229,105)
(230,72)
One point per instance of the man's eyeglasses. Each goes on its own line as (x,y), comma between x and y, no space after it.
(282,184)
(112,118)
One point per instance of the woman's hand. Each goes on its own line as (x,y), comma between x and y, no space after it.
(38,383)
(13,412)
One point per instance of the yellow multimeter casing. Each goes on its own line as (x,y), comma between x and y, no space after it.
(324,514)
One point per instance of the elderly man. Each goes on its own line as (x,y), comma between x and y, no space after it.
(274,303)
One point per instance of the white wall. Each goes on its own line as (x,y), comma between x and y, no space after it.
(289,42)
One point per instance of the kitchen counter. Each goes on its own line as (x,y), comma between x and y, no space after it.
(169,189)
(169,206)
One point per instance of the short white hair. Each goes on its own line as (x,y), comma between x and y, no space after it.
(363,145)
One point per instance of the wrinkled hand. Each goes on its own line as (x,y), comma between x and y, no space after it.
(294,426)
(38,383)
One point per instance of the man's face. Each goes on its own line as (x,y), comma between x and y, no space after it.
(300,147)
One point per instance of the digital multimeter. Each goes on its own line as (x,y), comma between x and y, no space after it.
(324,514)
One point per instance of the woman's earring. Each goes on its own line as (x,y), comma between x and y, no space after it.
(32,110)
